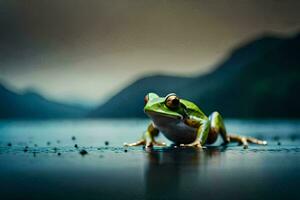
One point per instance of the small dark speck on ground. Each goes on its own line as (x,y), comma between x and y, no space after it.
(278,143)
(106,143)
(76,146)
(48,143)
(9,144)
(58,154)
(73,138)
(83,152)
(35,145)
(125,150)
(55,149)
(26,148)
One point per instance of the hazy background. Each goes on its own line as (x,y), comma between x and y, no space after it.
(87,50)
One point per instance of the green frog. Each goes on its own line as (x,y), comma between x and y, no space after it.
(182,122)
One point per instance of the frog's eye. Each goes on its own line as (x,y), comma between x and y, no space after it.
(146,99)
(172,101)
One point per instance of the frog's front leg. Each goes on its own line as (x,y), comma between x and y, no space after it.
(202,134)
(148,138)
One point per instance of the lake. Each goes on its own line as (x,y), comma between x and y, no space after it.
(38,160)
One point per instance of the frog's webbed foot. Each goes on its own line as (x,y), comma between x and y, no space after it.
(244,140)
(148,138)
(195,144)
(138,143)
(155,143)
(147,144)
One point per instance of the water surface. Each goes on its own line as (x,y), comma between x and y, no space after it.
(42,163)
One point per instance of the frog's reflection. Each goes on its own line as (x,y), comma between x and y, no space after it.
(170,168)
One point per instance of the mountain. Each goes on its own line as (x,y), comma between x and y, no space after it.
(129,102)
(259,79)
(31,105)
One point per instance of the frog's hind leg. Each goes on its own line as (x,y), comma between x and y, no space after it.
(218,127)
(148,138)
(244,140)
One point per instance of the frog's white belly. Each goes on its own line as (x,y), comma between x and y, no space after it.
(174,129)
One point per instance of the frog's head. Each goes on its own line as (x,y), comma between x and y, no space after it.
(168,106)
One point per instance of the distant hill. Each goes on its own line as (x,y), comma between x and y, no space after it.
(31,105)
(259,79)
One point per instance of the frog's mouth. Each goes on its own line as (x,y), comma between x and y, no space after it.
(151,113)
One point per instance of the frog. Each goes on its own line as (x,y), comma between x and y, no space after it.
(183,123)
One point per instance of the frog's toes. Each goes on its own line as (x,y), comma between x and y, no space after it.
(138,143)
(155,143)
(243,140)
(162,144)
(194,144)
(245,146)
(256,141)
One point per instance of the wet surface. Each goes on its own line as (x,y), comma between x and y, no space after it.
(30,168)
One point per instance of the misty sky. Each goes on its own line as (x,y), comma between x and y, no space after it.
(83,49)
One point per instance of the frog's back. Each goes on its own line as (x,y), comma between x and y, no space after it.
(192,108)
